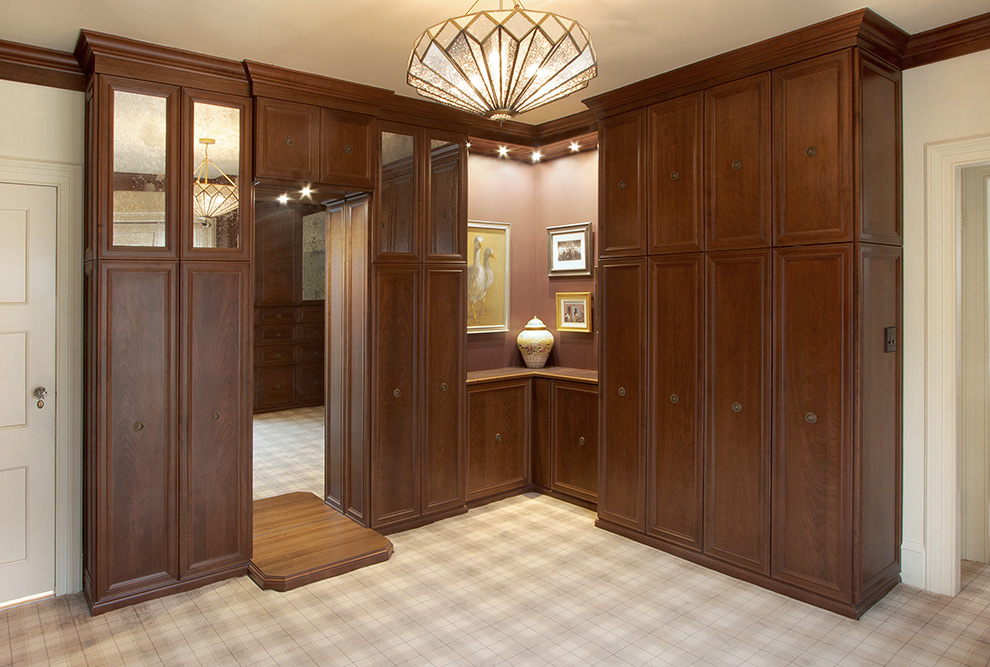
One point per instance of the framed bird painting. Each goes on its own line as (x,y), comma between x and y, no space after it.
(488,277)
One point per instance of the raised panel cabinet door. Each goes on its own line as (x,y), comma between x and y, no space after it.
(675,482)
(622,393)
(395,457)
(136,484)
(677,184)
(574,440)
(443,461)
(879,137)
(813,419)
(813,151)
(737,164)
(347,148)
(737,441)
(287,140)
(215,446)
(276,259)
(447,216)
(622,186)
(498,438)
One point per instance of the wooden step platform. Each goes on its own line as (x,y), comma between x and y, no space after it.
(299,539)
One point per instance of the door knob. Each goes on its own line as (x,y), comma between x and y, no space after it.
(41,394)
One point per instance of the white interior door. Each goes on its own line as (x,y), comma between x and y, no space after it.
(27,362)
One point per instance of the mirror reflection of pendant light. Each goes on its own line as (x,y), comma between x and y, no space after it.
(212,199)
(500,63)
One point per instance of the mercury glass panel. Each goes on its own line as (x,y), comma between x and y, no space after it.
(139,178)
(397,232)
(216,209)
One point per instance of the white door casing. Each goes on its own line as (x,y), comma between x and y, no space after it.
(27,423)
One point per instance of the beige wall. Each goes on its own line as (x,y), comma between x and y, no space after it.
(39,123)
(943,101)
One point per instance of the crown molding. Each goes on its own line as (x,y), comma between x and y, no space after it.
(949,41)
(40,66)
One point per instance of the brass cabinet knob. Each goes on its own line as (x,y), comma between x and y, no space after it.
(278,334)
(278,386)
(443,386)
(498,437)
(811,418)
(622,391)
(737,407)
(348,149)
(279,316)
(811,151)
(674,175)
(288,141)
(278,355)
(581,441)
(396,393)
(622,185)
(215,416)
(736,165)
(674,398)
(138,426)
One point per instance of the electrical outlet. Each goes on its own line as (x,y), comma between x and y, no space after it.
(890,339)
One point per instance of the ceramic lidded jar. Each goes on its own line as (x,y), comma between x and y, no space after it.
(535,343)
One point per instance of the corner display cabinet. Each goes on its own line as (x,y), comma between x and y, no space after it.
(168,321)
(750,272)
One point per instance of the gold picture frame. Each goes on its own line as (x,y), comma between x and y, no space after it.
(574,311)
(488,277)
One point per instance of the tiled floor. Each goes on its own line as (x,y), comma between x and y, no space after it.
(288,452)
(526,581)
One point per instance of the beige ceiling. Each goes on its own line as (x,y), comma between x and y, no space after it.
(369,40)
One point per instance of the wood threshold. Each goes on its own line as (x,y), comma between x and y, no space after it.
(299,539)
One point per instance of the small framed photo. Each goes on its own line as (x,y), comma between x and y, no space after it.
(574,311)
(569,250)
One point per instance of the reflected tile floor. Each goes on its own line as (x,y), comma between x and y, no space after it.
(288,452)
(525,581)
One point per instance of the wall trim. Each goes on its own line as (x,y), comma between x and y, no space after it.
(948,41)
(40,66)
(943,164)
(67,179)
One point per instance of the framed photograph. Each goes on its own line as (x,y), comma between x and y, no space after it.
(574,311)
(569,250)
(488,277)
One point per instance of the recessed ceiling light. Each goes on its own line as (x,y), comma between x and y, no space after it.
(283,199)
(503,151)
(306,191)
(575,147)
(537,155)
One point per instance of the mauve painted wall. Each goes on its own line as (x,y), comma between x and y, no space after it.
(532,198)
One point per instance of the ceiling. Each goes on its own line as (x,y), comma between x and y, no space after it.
(368,41)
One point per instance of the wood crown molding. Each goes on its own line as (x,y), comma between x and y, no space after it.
(40,66)
(296,86)
(863,28)
(949,41)
(524,153)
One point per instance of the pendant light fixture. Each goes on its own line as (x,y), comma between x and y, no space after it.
(502,62)
(212,199)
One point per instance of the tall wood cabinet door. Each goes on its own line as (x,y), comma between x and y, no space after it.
(216,419)
(498,438)
(737,442)
(135,476)
(737,164)
(622,393)
(677,193)
(446,228)
(445,340)
(397,232)
(287,140)
(813,151)
(276,258)
(622,185)
(347,148)
(879,137)
(395,457)
(675,482)
(574,439)
(813,419)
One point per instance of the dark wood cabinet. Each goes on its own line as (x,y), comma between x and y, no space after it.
(737,408)
(447,215)
(622,392)
(737,164)
(498,439)
(622,185)
(676,453)
(574,440)
(676,192)
(287,140)
(347,148)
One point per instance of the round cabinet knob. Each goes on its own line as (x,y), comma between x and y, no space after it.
(737,407)
(215,416)
(288,141)
(278,386)
(581,441)
(278,355)
(811,418)
(138,426)
(622,391)
(674,398)
(278,334)
(811,151)
(737,165)
(396,393)
(348,149)
(674,175)
(443,387)
(622,185)
(498,437)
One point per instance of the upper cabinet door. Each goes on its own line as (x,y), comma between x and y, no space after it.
(737,118)
(622,186)
(138,146)
(215,191)
(288,140)
(813,158)
(676,195)
(347,148)
(396,231)
(446,231)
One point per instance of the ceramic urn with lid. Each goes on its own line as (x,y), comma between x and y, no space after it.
(535,343)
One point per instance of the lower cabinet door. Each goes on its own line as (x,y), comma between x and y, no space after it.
(813,427)
(395,459)
(675,482)
(498,438)
(133,506)
(737,443)
(216,418)
(574,440)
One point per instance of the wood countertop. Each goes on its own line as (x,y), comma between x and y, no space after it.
(551,372)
